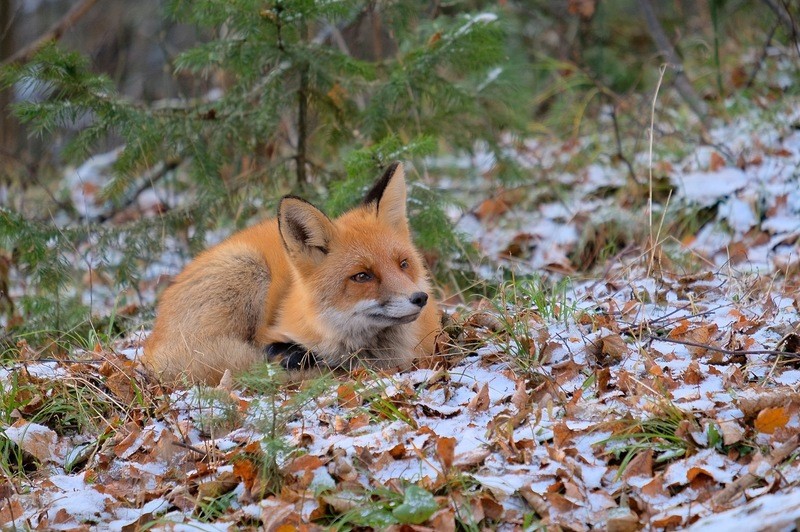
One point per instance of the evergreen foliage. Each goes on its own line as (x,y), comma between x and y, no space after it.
(290,108)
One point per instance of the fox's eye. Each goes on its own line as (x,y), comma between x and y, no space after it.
(403,264)
(362,277)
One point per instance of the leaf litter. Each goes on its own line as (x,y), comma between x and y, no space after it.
(647,397)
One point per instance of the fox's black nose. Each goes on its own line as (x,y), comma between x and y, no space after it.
(419,299)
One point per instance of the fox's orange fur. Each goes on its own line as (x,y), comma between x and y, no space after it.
(351,290)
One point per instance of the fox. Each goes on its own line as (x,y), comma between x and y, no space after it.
(303,290)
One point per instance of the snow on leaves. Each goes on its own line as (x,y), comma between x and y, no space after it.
(640,399)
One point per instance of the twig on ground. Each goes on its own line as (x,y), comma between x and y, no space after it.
(737,488)
(722,350)
(188,447)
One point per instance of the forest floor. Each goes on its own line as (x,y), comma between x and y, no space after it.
(659,391)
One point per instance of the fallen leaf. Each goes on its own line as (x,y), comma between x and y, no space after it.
(347,396)
(480,403)
(37,440)
(306,462)
(771,419)
(213,489)
(471,458)
(445,447)
(614,347)
(716,162)
(622,519)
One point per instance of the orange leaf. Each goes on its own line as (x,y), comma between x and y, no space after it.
(348,398)
(247,471)
(305,462)
(771,419)
(716,162)
(445,448)
(614,346)
(398,451)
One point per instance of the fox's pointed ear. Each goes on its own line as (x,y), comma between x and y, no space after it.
(305,230)
(389,196)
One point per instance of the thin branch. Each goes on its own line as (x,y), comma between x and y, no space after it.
(737,488)
(161,170)
(618,138)
(53,34)
(721,350)
(785,17)
(665,47)
(762,57)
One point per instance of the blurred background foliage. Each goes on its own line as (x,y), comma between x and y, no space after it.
(135,133)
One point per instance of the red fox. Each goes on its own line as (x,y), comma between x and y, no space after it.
(302,288)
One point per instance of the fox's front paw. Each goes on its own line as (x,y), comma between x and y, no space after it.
(290,356)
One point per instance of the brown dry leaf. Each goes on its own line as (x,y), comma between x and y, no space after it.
(771,419)
(640,466)
(12,509)
(36,440)
(622,519)
(757,399)
(443,520)
(732,432)
(614,347)
(692,374)
(520,399)
(790,343)
(125,448)
(737,251)
(343,469)
(716,162)
(276,513)
(347,396)
(491,208)
(668,521)
(121,386)
(484,320)
(342,501)
(306,462)
(680,329)
(480,403)
(471,458)
(213,489)
(492,509)
(445,448)
(247,471)
(398,451)
(472,509)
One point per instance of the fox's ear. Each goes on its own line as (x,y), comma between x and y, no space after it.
(305,230)
(389,196)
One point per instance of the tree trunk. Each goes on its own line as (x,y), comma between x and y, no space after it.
(8,124)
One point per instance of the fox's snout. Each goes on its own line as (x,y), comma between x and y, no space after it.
(419,299)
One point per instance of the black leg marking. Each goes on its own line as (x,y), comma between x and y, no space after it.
(290,356)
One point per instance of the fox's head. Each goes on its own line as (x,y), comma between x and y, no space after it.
(360,271)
